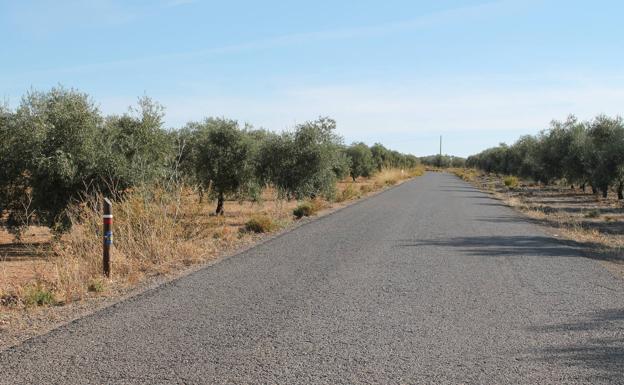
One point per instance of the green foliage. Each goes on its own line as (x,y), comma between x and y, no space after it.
(361,159)
(134,148)
(305,163)
(304,209)
(604,152)
(443,161)
(384,158)
(37,295)
(58,131)
(590,152)
(56,148)
(511,182)
(96,286)
(350,192)
(224,163)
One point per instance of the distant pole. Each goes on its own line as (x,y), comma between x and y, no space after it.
(440,157)
(440,146)
(107,219)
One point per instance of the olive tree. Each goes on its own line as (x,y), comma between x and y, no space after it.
(304,163)
(362,163)
(134,147)
(224,164)
(604,152)
(57,131)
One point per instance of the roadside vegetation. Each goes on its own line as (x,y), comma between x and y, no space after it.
(579,154)
(569,177)
(181,196)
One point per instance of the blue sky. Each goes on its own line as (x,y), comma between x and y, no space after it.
(396,72)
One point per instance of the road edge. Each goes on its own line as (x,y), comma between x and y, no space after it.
(158,282)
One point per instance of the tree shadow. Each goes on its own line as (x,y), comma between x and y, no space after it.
(513,245)
(614,227)
(594,342)
(23,251)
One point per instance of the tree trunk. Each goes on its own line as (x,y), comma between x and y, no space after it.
(620,190)
(594,190)
(583,187)
(571,187)
(605,191)
(219,210)
(201,195)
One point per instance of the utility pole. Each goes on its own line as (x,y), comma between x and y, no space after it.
(440,157)
(440,146)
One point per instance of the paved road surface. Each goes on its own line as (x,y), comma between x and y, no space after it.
(430,282)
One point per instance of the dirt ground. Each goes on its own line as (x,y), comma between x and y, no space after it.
(594,222)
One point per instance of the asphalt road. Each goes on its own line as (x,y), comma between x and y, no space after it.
(430,282)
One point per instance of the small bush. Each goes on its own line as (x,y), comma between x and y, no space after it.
(511,182)
(390,182)
(260,224)
(96,286)
(305,209)
(389,177)
(37,295)
(365,189)
(350,192)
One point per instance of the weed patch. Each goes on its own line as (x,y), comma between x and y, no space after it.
(261,224)
(349,193)
(38,295)
(511,182)
(305,209)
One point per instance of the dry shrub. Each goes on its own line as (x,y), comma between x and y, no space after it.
(511,182)
(309,208)
(467,174)
(349,193)
(365,189)
(261,224)
(38,295)
(304,209)
(392,176)
(150,237)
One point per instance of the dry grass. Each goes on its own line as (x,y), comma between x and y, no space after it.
(350,192)
(156,232)
(467,174)
(261,224)
(389,177)
(573,214)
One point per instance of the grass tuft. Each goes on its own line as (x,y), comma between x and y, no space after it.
(261,224)
(96,285)
(38,295)
(305,209)
(349,193)
(511,182)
